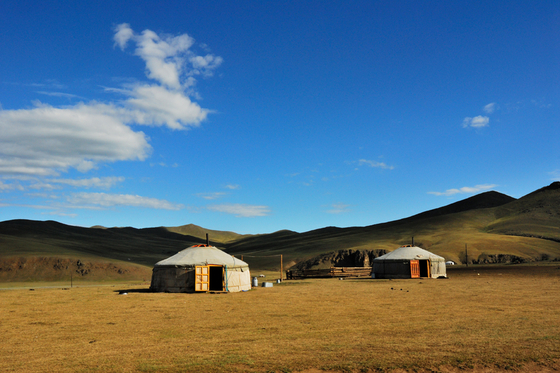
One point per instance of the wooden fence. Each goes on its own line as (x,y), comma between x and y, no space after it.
(329,272)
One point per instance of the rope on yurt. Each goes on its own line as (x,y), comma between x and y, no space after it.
(227,289)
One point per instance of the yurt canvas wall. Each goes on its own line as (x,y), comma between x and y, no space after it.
(201,268)
(409,262)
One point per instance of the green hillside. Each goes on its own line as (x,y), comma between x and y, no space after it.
(488,225)
(534,215)
(493,226)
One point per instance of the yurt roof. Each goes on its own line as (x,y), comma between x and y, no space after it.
(410,253)
(202,255)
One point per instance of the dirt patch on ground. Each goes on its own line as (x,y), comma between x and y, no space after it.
(553,366)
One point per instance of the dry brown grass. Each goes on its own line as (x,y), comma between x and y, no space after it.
(483,318)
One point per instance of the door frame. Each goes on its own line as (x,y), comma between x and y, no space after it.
(202,278)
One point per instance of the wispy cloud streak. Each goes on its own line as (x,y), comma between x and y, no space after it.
(96,200)
(374,164)
(339,208)
(465,190)
(476,122)
(241,210)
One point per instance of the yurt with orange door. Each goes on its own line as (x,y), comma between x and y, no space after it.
(201,268)
(409,262)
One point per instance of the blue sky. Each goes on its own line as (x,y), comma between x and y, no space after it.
(257,116)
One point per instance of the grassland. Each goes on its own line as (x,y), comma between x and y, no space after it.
(483,318)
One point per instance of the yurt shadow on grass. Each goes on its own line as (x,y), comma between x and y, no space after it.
(409,262)
(201,268)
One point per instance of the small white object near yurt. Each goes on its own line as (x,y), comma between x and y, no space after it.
(409,262)
(201,268)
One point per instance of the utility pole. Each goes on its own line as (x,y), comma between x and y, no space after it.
(466,256)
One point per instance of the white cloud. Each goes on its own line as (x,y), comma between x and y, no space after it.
(35,183)
(480,121)
(490,108)
(87,200)
(43,186)
(211,196)
(376,164)
(47,140)
(58,213)
(476,122)
(169,59)
(241,210)
(465,190)
(49,83)
(94,182)
(163,57)
(541,104)
(217,195)
(123,33)
(339,208)
(58,94)
(10,186)
(155,105)
(205,64)
(38,207)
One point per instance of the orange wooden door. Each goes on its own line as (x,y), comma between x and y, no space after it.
(202,278)
(414,269)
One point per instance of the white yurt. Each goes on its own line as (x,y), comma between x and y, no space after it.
(201,268)
(409,262)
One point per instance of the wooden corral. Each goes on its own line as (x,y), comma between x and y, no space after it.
(329,272)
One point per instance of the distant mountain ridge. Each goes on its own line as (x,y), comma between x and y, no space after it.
(480,201)
(199,232)
(143,246)
(492,224)
(536,214)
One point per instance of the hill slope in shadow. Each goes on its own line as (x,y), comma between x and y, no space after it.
(49,238)
(491,224)
(535,215)
(30,250)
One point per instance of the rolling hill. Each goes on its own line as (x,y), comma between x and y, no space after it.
(35,250)
(494,227)
(199,232)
